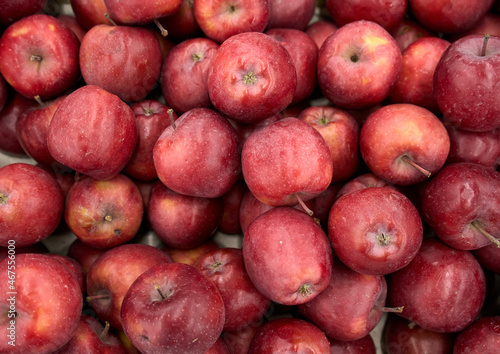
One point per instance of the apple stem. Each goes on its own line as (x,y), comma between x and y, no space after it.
(3,199)
(304,206)
(163,31)
(108,218)
(104,334)
(110,19)
(35,57)
(398,309)
(412,163)
(39,100)
(477,225)
(157,287)
(172,120)
(485,42)
(97,297)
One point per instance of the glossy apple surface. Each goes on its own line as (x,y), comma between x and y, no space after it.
(90,13)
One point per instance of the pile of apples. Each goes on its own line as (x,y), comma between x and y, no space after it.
(349,149)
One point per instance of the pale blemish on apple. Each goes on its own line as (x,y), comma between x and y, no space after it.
(20,32)
(374,41)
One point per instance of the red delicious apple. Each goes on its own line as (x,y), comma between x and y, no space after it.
(182,221)
(488,257)
(415,82)
(138,12)
(13,11)
(284,266)
(152,118)
(198,155)
(365,180)
(219,19)
(287,335)
(92,337)
(304,53)
(323,202)
(83,254)
(75,268)
(185,72)
(173,308)
(442,289)
(14,107)
(400,335)
(319,30)
(358,64)
(375,230)
(252,77)
(123,60)
(388,14)
(72,23)
(39,56)
(403,143)
(408,31)
(32,130)
(78,126)
(294,14)
(286,162)
(461,205)
(481,336)
(341,132)
(243,303)
(449,16)
(31,204)
(112,274)
(466,81)
(365,345)
(29,323)
(350,307)
(90,13)
(482,148)
(231,201)
(190,256)
(181,25)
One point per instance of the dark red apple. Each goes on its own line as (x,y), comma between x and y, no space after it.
(137,12)
(39,56)
(79,125)
(14,107)
(72,23)
(239,341)
(13,11)
(75,268)
(181,25)
(4,91)
(295,14)
(408,31)
(481,336)
(319,30)
(173,308)
(231,201)
(252,77)
(489,257)
(190,256)
(83,254)
(90,13)
(365,180)
(31,204)
(365,345)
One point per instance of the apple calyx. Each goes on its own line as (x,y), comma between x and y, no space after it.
(485,43)
(398,309)
(477,226)
(97,297)
(383,239)
(170,113)
(162,29)
(197,56)
(216,266)
(3,198)
(104,334)
(412,163)
(147,111)
(305,290)
(157,287)
(250,78)
(354,58)
(304,206)
(36,57)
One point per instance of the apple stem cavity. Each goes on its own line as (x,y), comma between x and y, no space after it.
(170,113)
(97,297)
(304,206)
(477,225)
(162,29)
(157,287)
(36,57)
(104,334)
(110,19)
(398,309)
(409,161)
(216,266)
(383,239)
(485,43)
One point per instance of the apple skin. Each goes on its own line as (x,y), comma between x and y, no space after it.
(442,289)
(449,16)
(136,12)
(14,107)
(295,14)
(489,24)
(173,308)
(252,77)
(182,221)
(400,335)
(90,13)
(243,303)
(114,272)
(284,266)
(190,256)
(346,309)
(239,341)
(488,257)
(104,214)
(375,231)
(365,180)
(319,30)
(341,132)
(72,23)
(387,15)
(199,156)
(400,131)
(284,160)
(287,335)
(123,60)
(481,336)
(230,221)
(83,254)
(461,68)
(13,11)
(409,31)
(40,326)
(181,25)
(358,64)
(79,124)
(459,196)
(38,247)
(75,268)
(39,56)
(152,118)
(31,204)
(88,339)
(4,93)
(415,82)
(220,20)
(185,73)
(365,345)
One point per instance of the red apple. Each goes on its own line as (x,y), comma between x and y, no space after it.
(403,143)
(173,308)
(465,82)
(78,126)
(72,23)
(75,268)
(252,77)
(231,201)
(358,64)
(319,30)
(138,12)
(181,25)
(39,56)
(4,91)
(15,10)
(83,254)
(365,180)
(239,341)
(283,265)
(29,323)
(14,107)
(481,336)
(90,13)
(295,14)
(365,345)
(408,31)
(489,257)
(123,60)
(190,256)
(198,155)
(31,204)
